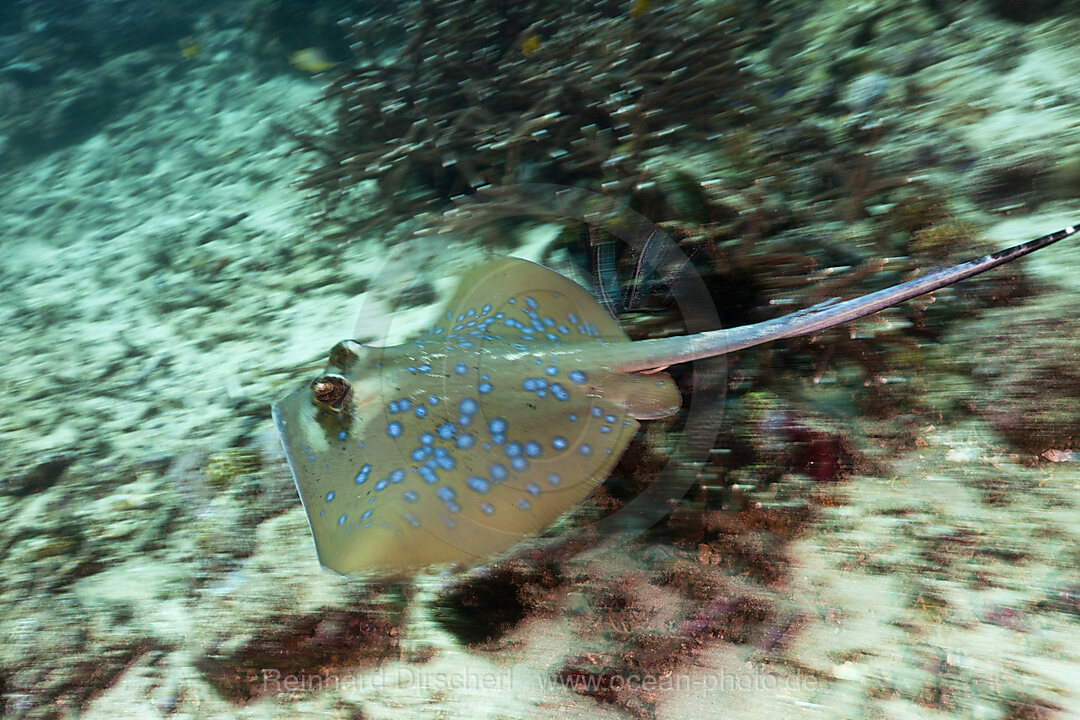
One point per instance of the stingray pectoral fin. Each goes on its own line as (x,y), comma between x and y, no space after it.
(644,397)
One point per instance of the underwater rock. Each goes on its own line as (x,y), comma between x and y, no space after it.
(485,606)
(866,90)
(1024,11)
(40,477)
(322,645)
(1024,359)
(221,468)
(54,662)
(98,29)
(1012,182)
(75,105)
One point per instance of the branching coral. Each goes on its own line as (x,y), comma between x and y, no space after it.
(487,92)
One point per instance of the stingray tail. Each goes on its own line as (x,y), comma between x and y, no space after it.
(661,352)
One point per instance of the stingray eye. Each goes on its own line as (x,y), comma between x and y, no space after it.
(331,390)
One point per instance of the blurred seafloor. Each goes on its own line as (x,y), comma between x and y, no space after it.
(896,534)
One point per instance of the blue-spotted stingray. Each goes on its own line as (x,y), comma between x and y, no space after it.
(503,416)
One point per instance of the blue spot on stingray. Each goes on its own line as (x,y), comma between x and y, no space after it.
(446,493)
(485,310)
(432,400)
(483,388)
(498,472)
(427,439)
(468,406)
(554,479)
(465,441)
(411,519)
(487,508)
(530,302)
(429,475)
(424,368)
(532,449)
(585,450)
(577,376)
(446,431)
(559,392)
(363,474)
(551,370)
(519,463)
(533,489)
(523,504)
(419,454)
(397,476)
(572,417)
(381,484)
(420,411)
(409,495)
(341,435)
(610,419)
(394,429)
(478,484)
(596,412)
(392,407)
(366,515)
(558,442)
(330,496)
(341,520)
(497,425)
(605,429)
(404,404)
(461,368)
(513,449)
(464,420)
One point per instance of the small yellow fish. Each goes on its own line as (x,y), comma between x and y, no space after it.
(311,60)
(639,7)
(189,48)
(530,44)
